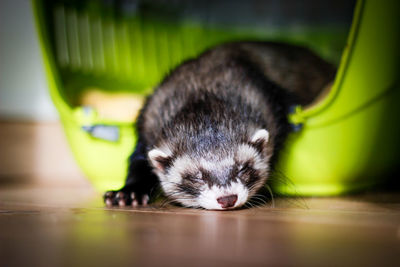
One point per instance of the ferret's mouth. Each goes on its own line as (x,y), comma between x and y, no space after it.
(235,207)
(224,198)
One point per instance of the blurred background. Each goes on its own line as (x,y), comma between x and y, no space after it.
(33,148)
(24,93)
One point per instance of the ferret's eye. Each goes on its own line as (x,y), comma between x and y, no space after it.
(192,177)
(246,167)
(196,177)
(199,176)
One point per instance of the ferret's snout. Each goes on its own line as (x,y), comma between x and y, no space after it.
(227,201)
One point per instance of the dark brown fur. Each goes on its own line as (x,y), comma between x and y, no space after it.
(236,71)
(209,105)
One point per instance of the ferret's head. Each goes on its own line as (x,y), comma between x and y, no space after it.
(217,179)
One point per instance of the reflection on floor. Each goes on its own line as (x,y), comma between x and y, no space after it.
(44,226)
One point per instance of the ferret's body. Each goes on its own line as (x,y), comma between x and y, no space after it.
(211,130)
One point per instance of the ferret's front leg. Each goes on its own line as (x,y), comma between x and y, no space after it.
(140,183)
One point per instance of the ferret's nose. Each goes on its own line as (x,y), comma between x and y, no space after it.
(227,201)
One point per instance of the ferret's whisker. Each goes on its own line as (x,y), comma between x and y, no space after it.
(271,194)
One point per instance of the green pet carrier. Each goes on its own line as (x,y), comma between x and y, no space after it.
(103,57)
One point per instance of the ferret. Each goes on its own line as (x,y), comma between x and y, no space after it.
(210,133)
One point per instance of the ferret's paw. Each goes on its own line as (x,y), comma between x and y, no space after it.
(122,199)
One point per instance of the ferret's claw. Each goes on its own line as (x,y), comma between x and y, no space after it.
(122,199)
(145,200)
(108,202)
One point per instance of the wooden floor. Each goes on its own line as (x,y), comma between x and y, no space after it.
(48,226)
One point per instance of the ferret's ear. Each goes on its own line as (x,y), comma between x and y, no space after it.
(159,159)
(260,139)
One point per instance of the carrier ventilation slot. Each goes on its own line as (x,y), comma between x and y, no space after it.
(126,49)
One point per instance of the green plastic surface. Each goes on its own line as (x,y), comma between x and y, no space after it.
(348,138)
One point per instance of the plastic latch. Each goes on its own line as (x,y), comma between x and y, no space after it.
(296,118)
(104,132)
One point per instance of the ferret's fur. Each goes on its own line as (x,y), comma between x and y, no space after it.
(212,129)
